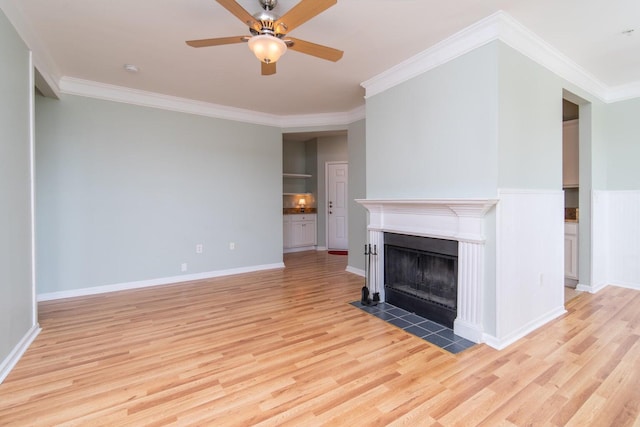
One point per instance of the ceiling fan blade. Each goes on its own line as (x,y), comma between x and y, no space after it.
(301,13)
(268,69)
(241,13)
(317,50)
(217,42)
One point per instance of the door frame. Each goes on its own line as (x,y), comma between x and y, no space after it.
(326,199)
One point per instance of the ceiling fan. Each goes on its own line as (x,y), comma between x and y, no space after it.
(269,38)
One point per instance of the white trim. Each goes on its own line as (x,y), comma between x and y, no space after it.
(91,89)
(592,289)
(321,248)
(356,271)
(627,285)
(457,219)
(499,26)
(32,189)
(299,249)
(108,92)
(155,282)
(326,119)
(501,343)
(12,358)
(624,92)
(525,41)
(464,41)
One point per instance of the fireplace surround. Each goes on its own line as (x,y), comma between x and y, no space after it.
(459,220)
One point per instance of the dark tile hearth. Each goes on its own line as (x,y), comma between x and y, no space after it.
(419,326)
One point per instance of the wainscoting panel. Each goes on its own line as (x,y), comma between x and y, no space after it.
(530,262)
(623,238)
(599,242)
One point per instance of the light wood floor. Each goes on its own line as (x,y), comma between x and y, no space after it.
(284,347)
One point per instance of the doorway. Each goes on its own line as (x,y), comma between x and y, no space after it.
(570,186)
(337,185)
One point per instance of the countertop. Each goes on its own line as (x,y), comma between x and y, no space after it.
(298,211)
(571,214)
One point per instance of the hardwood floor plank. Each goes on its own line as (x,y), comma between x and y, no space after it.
(285,347)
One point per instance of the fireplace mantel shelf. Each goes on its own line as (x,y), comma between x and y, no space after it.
(455,207)
(456,219)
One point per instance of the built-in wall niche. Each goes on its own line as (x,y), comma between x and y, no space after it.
(294,200)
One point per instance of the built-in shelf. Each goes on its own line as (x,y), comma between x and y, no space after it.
(297,194)
(296,175)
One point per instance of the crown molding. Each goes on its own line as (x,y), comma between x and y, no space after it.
(103,91)
(499,26)
(464,41)
(324,119)
(624,92)
(520,38)
(91,89)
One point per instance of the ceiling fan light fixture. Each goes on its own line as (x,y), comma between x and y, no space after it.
(267,48)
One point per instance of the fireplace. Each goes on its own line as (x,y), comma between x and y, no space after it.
(458,220)
(421,276)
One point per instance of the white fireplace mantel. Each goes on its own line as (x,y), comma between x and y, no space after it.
(456,219)
(453,219)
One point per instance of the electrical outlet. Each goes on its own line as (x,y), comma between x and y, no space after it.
(183,267)
(199,248)
(232,246)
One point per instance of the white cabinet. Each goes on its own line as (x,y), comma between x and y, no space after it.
(286,231)
(300,232)
(571,250)
(570,155)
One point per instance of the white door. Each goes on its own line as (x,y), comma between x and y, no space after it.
(337,200)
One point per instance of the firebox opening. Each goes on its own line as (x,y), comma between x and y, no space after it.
(421,275)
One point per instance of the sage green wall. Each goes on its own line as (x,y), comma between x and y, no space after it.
(17,308)
(330,149)
(530,125)
(356,140)
(436,135)
(124,193)
(621,122)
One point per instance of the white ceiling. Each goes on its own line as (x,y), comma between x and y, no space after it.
(92,40)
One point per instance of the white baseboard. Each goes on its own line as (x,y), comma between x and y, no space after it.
(154,282)
(300,249)
(354,270)
(635,286)
(592,289)
(321,248)
(10,361)
(501,343)
(467,331)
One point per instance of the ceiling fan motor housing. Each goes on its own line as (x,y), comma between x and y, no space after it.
(267,22)
(268,4)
